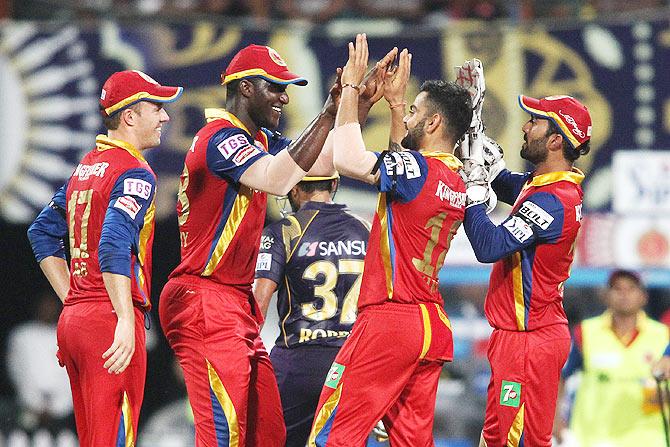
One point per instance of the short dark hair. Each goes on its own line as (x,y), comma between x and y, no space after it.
(112,122)
(628,274)
(318,185)
(453,102)
(571,154)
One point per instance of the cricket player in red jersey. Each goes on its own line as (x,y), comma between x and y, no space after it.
(207,309)
(532,251)
(389,366)
(107,207)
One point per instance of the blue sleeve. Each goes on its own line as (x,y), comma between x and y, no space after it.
(402,174)
(276,142)
(230,152)
(667,350)
(538,220)
(131,197)
(47,232)
(575,361)
(507,185)
(272,254)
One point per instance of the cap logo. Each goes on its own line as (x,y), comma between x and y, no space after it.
(103,94)
(276,57)
(146,77)
(570,120)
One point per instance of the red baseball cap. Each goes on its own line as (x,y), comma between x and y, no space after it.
(571,116)
(262,62)
(125,88)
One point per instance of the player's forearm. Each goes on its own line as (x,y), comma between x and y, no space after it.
(57,273)
(263,290)
(397,132)
(273,174)
(324,164)
(306,148)
(118,289)
(349,154)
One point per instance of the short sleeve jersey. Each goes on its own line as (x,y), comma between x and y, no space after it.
(526,287)
(221,220)
(420,207)
(316,258)
(113,181)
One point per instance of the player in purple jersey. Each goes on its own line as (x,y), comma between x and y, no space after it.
(107,207)
(314,260)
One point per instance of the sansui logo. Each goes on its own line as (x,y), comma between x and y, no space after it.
(444,192)
(339,248)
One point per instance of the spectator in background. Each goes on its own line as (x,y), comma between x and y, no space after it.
(317,11)
(406,10)
(41,385)
(465,9)
(616,402)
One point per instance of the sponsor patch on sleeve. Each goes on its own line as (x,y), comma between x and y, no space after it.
(264,262)
(231,144)
(403,164)
(518,228)
(128,205)
(535,214)
(244,154)
(137,187)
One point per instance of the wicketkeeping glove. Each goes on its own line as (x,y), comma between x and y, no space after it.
(471,147)
(470,76)
(477,187)
(492,155)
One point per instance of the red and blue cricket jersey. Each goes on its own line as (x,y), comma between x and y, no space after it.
(221,220)
(533,248)
(107,209)
(420,207)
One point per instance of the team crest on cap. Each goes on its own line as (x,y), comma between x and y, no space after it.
(146,77)
(276,57)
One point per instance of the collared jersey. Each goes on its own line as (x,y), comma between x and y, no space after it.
(616,400)
(221,220)
(316,258)
(420,207)
(526,285)
(109,209)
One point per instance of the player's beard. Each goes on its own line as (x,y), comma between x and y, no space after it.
(414,136)
(535,151)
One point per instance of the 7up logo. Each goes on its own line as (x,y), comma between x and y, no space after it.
(334,375)
(510,393)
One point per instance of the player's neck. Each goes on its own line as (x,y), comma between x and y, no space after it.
(553,166)
(436,144)
(125,136)
(318,196)
(241,113)
(624,324)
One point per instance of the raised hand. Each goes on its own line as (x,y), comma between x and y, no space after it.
(354,70)
(334,95)
(396,79)
(470,76)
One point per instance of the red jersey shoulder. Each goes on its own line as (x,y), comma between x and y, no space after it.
(444,181)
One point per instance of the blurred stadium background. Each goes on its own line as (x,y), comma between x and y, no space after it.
(54,55)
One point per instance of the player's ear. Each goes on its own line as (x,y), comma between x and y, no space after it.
(555,142)
(246,88)
(433,123)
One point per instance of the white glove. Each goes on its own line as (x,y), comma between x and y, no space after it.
(492,155)
(380,432)
(471,147)
(470,76)
(477,187)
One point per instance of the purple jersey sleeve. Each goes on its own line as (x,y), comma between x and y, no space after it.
(129,201)
(539,219)
(272,254)
(230,152)
(402,174)
(48,231)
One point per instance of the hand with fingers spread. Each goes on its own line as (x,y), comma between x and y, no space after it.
(354,70)
(334,95)
(395,82)
(373,82)
(121,352)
